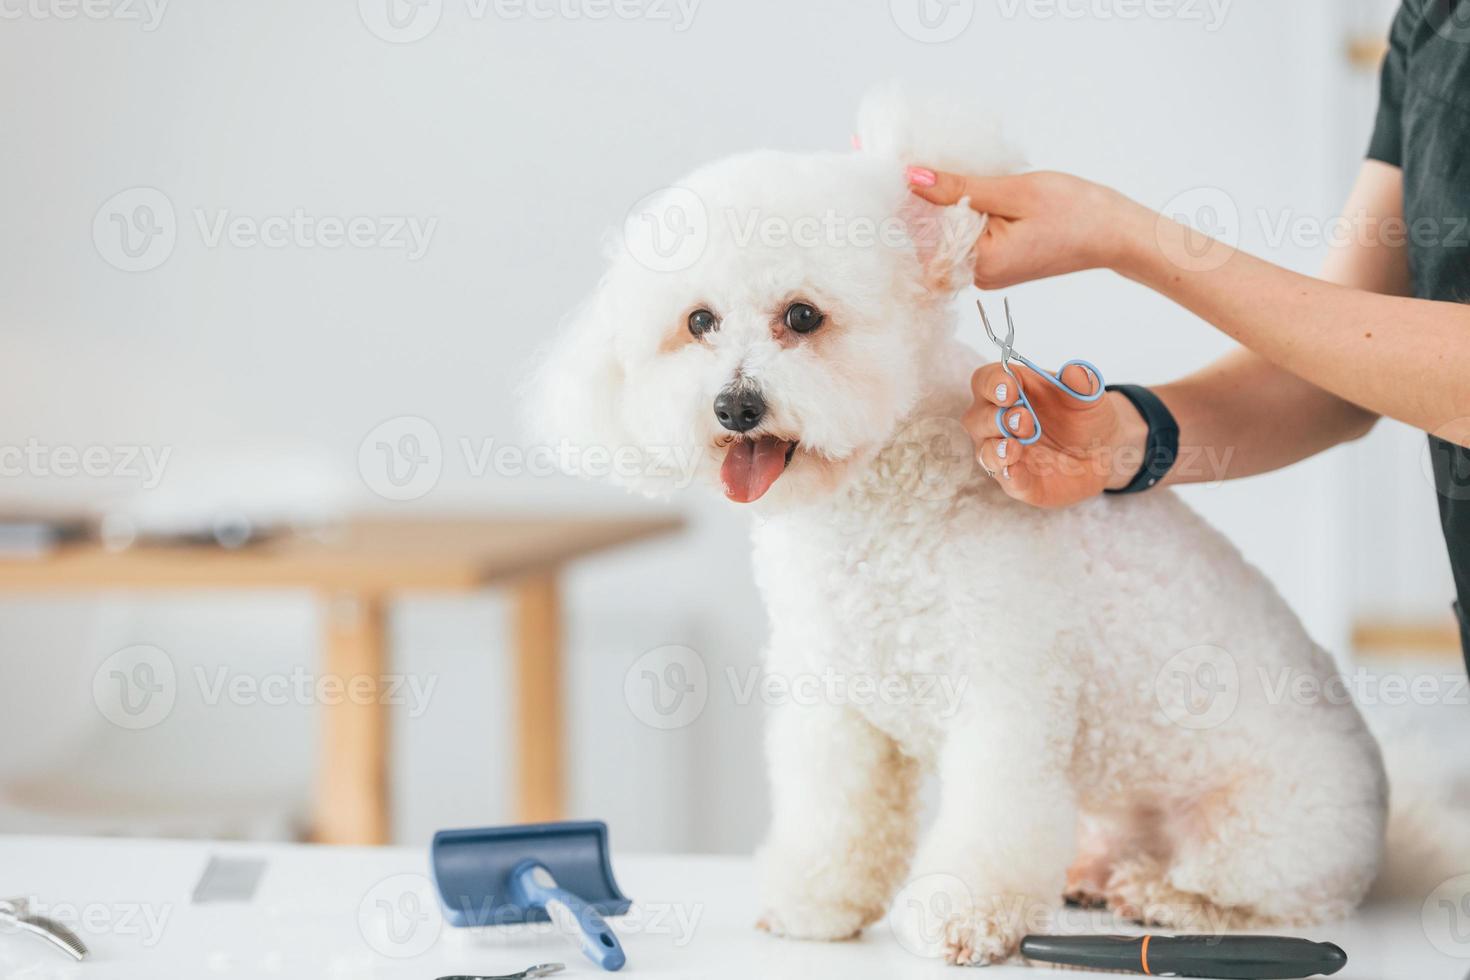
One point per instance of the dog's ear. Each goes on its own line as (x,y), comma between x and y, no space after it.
(933,128)
(572,397)
(902,126)
(944,239)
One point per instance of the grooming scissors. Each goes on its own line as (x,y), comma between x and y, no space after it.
(1009,353)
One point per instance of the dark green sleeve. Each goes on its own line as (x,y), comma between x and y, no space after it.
(1387,141)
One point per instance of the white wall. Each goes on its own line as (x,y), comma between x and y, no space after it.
(524,140)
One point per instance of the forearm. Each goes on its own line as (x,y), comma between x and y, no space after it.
(1404,358)
(1241,416)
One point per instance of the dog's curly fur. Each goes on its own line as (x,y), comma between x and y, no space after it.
(1073,638)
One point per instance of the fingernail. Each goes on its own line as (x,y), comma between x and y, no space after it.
(1006,472)
(1000,392)
(1001,449)
(920,176)
(857,142)
(1016,422)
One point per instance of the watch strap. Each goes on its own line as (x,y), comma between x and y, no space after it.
(1161,448)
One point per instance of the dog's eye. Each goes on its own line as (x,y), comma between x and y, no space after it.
(803,317)
(702,322)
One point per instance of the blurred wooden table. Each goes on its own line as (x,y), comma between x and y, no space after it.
(356,569)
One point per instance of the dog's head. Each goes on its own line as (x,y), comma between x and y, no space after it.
(762,327)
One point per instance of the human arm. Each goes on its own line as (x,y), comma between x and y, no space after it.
(1251,411)
(1271,416)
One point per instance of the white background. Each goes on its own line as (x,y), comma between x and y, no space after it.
(525,139)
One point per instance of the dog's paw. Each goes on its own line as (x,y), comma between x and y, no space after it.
(1137,890)
(1084,898)
(1087,884)
(982,937)
(807,897)
(937,916)
(1141,890)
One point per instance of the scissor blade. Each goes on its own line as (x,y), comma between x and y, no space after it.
(1007,351)
(989,330)
(1010,327)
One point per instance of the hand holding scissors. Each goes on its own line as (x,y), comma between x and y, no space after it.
(1082,426)
(1022,403)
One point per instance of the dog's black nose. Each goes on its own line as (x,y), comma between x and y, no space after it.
(740,409)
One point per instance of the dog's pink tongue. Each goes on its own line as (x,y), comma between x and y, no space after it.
(751,466)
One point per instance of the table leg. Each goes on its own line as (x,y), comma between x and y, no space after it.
(352,779)
(539,779)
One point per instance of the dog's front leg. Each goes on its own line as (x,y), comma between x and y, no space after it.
(844,822)
(994,864)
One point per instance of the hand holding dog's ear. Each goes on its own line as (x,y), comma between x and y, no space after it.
(1041,224)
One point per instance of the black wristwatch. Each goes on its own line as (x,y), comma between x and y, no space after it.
(1162,446)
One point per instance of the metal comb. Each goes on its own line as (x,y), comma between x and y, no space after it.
(544,970)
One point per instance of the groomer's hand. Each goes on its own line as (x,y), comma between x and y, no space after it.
(1041,224)
(1084,449)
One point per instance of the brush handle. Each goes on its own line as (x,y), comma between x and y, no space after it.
(1223,957)
(533,885)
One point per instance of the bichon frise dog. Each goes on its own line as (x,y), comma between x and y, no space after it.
(1137,725)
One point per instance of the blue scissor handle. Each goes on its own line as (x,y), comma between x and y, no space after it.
(531,884)
(1024,404)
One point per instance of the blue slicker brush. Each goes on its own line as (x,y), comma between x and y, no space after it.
(548,872)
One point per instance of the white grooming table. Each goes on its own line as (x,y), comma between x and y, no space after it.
(323,912)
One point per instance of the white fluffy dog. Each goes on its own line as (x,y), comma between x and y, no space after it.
(1133,728)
